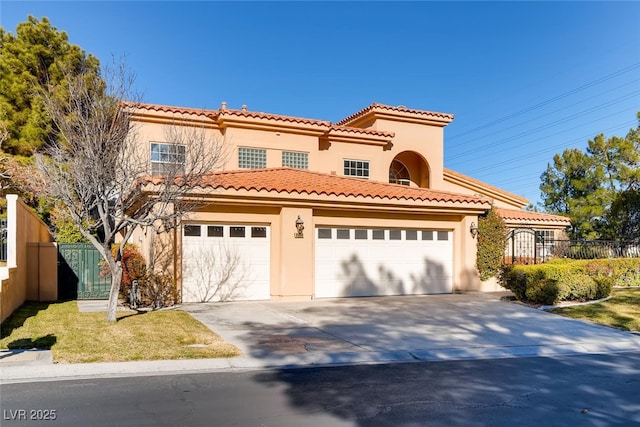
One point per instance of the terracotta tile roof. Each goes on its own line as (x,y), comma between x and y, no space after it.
(278,117)
(514,214)
(297,181)
(171,109)
(215,114)
(374,132)
(375,107)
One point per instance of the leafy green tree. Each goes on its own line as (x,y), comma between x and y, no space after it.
(596,188)
(567,187)
(37,55)
(624,216)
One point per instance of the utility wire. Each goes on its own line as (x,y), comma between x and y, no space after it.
(550,100)
(559,122)
(540,152)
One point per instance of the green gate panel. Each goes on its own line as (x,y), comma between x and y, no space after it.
(80,273)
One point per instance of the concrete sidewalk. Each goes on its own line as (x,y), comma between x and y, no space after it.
(355,331)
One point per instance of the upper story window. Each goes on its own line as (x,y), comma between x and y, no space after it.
(167,158)
(399,174)
(359,168)
(295,159)
(252,158)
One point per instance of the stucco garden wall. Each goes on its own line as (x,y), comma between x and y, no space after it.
(31,272)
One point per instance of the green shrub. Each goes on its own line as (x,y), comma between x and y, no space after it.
(558,281)
(576,287)
(492,235)
(622,271)
(544,291)
(514,279)
(604,287)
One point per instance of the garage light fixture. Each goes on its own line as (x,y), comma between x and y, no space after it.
(473,229)
(299,228)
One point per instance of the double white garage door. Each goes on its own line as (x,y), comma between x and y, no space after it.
(370,262)
(224,262)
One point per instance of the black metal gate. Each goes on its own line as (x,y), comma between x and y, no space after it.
(80,273)
(527,246)
(3,240)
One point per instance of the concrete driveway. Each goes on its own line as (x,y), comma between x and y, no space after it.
(409,328)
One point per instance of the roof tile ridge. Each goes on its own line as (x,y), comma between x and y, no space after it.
(362,130)
(262,114)
(171,108)
(533,213)
(357,114)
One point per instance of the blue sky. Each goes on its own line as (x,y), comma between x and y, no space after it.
(525,80)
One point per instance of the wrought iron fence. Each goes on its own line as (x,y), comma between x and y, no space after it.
(527,246)
(591,249)
(3,240)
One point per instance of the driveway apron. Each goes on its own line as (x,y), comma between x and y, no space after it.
(407,328)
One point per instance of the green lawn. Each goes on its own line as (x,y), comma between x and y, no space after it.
(622,311)
(75,337)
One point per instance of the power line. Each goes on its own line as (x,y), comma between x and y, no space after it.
(539,152)
(557,110)
(546,126)
(550,100)
(581,139)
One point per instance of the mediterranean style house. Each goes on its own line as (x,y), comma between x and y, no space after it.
(303,208)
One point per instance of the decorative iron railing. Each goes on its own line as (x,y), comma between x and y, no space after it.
(527,246)
(591,249)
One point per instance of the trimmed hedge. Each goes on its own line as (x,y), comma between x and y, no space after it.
(567,280)
(492,236)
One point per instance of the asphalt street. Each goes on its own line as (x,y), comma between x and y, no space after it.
(579,390)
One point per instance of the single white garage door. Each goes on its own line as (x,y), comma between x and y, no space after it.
(370,262)
(225,262)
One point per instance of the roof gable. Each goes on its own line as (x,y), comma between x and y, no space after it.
(399,113)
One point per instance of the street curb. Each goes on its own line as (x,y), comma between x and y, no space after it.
(57,372)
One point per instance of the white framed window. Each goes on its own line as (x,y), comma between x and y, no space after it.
(167,158)
(295,159)
(399,174)
(546,235)
(252,158)
(358,168)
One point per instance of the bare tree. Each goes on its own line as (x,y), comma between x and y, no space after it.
(216,273)
(99,172)
(4,133)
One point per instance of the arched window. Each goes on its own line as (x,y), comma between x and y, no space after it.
(399,174)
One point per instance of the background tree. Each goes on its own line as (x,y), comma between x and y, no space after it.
(589,186)
(95,170)
(38,54)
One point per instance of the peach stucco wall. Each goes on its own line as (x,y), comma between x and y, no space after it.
(293,259)
(32,263)
(325,157)
(419,138)
(418,143)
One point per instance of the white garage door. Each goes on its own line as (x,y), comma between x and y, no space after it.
(225,262)
(369,262)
